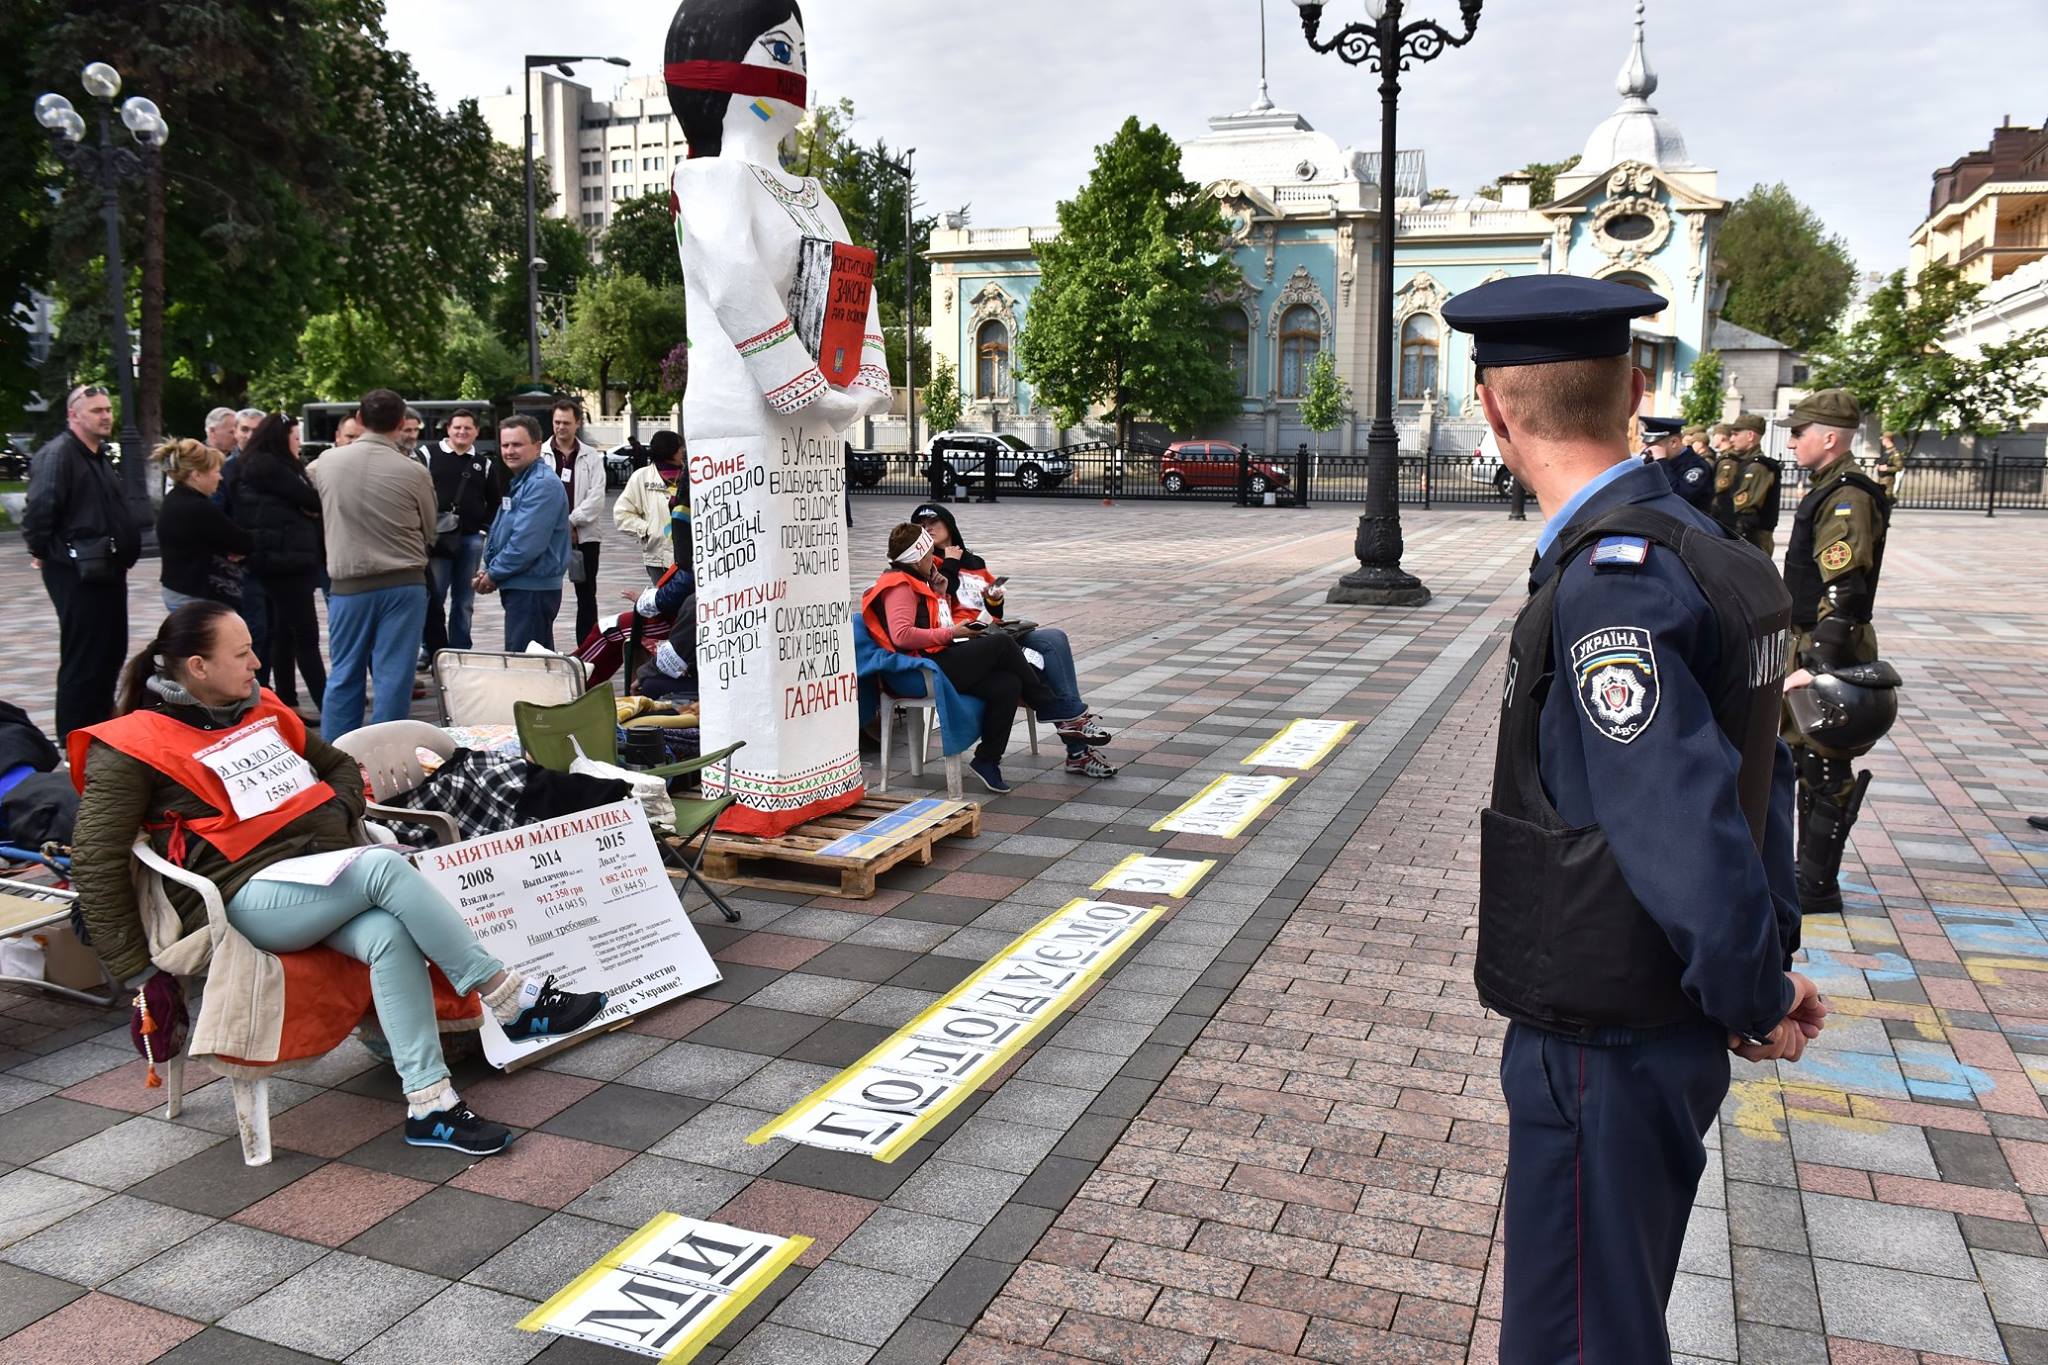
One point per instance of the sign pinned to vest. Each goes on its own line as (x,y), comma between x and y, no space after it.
(785,354)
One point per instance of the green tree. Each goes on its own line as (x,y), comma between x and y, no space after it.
(1894,361)
(942,396)
(565,246)
(1124,313)
(1702,404)
(621,329)
(303,153)
(641,240)
(346,352)
(1542,180)
(1787,278)
(25,183)
(1323,397)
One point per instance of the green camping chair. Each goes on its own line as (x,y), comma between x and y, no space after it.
(553,735)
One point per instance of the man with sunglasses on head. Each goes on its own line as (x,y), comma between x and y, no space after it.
(80,534)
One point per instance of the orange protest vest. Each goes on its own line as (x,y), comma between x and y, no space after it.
(930,610)
(963,612)
(262,755)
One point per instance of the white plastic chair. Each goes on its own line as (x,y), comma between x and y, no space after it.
(478,687)
(389,753)
(919,744)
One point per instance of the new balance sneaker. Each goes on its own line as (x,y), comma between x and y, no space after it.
(458,1128)
(1083,727)
(1089,763)
(989,773)
(554,1013)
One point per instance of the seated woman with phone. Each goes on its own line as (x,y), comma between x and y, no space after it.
(977,594)
(909,611)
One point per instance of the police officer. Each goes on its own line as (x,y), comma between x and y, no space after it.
(1643,686)
(1688,473)
(1832,564)
(1752,494)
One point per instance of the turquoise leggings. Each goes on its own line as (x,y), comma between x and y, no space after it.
(381,911)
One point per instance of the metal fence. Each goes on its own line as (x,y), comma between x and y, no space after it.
(1141,471)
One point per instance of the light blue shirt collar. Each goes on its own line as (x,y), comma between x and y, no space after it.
(1564,516)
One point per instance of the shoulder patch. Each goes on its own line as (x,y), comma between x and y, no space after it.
(1616,671)
(1843,509)
(1625,552)
(1836,557)
(1693,475)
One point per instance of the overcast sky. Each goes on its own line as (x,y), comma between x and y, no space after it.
(1852,103)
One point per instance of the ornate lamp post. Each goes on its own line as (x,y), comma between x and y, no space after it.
(533,261)
(1387,46)
(108,165)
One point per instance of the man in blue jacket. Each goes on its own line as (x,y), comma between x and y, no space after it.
(527,551)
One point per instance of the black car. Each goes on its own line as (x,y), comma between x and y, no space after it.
(865,468)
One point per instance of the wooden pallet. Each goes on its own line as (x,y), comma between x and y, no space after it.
(792,862)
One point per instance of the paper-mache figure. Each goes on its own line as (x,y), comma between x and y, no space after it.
(785,354)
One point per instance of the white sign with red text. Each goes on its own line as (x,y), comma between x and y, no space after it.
(585,899)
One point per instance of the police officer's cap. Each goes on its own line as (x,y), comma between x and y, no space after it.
(1830,408)
(1543,319)
(1657,428)
(1749,421)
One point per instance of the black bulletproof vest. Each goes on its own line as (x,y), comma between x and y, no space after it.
(1802,575)
(1765,516)
(1563,943)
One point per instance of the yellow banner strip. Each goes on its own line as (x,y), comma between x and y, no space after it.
(1252,812)
(901,1143)
(1196,871)
(1337,736)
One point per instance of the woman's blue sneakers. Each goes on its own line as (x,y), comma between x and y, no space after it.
(555,1013)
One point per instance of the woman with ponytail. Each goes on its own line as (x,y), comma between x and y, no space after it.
(198,542)
(226,781)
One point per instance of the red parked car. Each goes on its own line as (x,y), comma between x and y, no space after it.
(1213,464)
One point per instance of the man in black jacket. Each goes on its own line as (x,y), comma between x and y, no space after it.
(81,536)
(468,485)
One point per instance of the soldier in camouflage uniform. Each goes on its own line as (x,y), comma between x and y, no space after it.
(1831,567)
(1889,465)
(1751,492)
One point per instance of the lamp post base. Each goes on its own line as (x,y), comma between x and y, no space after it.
(1375,585)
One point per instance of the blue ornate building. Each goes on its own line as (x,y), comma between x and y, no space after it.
(1303,213)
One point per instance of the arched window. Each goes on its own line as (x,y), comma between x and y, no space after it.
(1644,283)
(1418,356)
(992,360)
(1301,340)
(1234,345)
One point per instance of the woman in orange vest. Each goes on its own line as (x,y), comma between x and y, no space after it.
(908,611)
(229,784)
(975,592)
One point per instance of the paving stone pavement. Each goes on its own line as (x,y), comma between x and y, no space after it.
(1273,1132)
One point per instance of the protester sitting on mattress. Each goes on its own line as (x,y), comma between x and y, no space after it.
(908,611)
(975,593)
(190,727)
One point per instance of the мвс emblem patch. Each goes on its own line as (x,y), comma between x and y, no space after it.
(1616,670)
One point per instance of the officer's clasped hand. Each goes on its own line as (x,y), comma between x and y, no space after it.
(1802,1024)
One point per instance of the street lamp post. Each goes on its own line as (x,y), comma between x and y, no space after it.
(1387,46)
(108,165)
(560,62)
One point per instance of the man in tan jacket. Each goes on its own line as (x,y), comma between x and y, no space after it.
(377,507)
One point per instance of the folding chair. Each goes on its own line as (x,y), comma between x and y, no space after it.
(389,753)
(555,735)
(478,687)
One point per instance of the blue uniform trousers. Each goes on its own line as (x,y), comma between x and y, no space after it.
(1605,1153)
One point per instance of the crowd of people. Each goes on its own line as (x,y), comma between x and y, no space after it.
(399,539)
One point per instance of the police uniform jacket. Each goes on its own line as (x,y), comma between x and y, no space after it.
(1690,477)
(1661,781)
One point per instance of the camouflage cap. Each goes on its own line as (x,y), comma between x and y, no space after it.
(1830,408)
(1749,421)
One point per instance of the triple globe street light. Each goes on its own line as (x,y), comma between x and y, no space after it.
(1388,46)
(109,164)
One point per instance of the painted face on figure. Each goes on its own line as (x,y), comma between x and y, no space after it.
(736,75)
(781,48)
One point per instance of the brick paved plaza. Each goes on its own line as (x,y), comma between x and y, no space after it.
(1273,1132)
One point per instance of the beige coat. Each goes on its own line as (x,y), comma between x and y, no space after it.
(642,512)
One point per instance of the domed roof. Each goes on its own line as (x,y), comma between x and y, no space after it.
(1635,131)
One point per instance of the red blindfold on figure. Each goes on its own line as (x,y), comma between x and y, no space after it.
(738,78)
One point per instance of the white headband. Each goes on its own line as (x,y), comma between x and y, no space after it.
(919,548)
